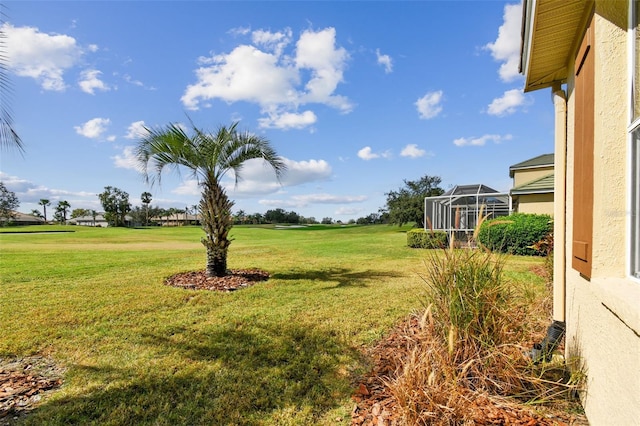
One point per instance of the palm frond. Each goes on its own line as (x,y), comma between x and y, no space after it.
(165,147)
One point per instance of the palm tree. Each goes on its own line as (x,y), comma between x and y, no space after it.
(62,208)
(146,200)
(208,157)
(44,203)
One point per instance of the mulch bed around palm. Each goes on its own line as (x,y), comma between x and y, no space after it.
(235,279)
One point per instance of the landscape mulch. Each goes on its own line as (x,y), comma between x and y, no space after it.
(23,381)
(235,279)
(375,406)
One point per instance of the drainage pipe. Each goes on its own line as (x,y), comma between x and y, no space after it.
(559,203)
(543,351)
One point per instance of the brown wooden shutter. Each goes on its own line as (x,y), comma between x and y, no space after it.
(583,149)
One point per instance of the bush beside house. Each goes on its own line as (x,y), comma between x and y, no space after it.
(516,233)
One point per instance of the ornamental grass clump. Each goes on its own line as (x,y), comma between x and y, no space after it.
(468,345)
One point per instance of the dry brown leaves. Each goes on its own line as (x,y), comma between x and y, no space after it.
(375,405)
(22,383)
(234,280)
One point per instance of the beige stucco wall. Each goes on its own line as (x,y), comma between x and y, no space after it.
(603,313)
(535,204)
(520,177)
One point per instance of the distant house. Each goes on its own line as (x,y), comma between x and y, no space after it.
(587,53)
(25,219)
(98,221)
(532,190)
(177,219)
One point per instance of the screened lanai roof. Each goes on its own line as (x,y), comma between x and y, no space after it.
(469,190)
(469,194)
(457,210)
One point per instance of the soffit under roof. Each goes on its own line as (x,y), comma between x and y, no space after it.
(550,31)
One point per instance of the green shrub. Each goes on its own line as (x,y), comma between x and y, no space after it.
(420,238)
(515,234)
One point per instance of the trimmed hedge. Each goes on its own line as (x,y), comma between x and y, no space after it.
(419,238)
(516,233)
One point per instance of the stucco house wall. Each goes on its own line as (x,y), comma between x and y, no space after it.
(535,204)
(520,177)
(602,313)
(603,323)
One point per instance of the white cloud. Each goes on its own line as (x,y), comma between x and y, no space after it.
(348,211)
(136,130)
(429,105)
(131,80)
(31,193)
(43,57)
(245,74)
(240,31)
(317,52)
(263,74)
(305,200)
(385,61)
(288,120)
(301,172)
(506,48)
(507,104)
(275,42)
(188,187)
(127,159)
(482,140)
(93,128)
(366,154)
(90,82)
(257,178)
(412,150)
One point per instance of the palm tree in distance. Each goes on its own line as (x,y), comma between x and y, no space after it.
(208,157)
(44,203)
(146,200)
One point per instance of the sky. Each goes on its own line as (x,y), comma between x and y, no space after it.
(355,96)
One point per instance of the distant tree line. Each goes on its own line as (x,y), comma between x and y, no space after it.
(404,205)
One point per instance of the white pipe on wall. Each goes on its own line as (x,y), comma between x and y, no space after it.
(559,203)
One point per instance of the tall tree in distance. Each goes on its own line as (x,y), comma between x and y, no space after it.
(208,157)
(8,203)
(406,205)
(61,211)
(146,200)
(115,203)
(8,135)
(44,203)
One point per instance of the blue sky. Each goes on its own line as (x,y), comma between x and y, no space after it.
(355,96)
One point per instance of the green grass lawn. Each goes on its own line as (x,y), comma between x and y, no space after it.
(282,352)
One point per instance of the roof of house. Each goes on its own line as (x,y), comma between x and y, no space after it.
(19,217)
(470,190)
(176,217)
(543,62)
(98,218)
(544,160)
(543,185)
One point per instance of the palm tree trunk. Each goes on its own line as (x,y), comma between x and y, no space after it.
(215,209)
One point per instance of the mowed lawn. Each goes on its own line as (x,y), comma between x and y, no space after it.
(282,352)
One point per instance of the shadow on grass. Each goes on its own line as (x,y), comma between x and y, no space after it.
(235,374)
(342,276)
